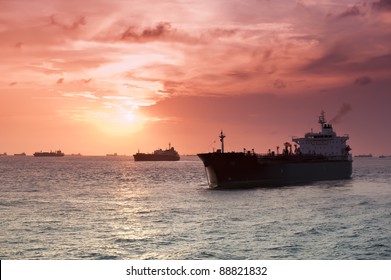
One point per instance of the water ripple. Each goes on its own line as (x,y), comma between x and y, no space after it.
(114,208)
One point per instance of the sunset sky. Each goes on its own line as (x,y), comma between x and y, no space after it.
(105,76)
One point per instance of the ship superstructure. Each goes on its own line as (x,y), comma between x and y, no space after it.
(326,142)
(169,154)
(316,156)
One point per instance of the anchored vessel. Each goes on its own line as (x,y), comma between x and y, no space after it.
(316,156)
(49,154)
(158,155)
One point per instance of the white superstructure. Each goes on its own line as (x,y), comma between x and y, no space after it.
(325,143)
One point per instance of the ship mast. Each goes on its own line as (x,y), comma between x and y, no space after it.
(222,136)
(322,119)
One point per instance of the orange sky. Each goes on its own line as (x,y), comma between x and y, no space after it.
(105,76)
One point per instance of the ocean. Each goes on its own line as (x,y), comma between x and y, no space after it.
(99,207)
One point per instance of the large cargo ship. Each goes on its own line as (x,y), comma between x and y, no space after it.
(158,155)
(49,154)
(316,156)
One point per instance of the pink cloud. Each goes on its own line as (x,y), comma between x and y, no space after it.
(152,52)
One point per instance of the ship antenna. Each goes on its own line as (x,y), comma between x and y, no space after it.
(322,119)
(222,136)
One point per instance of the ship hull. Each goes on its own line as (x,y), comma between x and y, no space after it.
(239,170)
(152,157)
(48,154)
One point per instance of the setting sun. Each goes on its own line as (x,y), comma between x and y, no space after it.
(116,121)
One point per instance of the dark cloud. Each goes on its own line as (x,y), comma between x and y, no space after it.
(221,32)
(164,31)
(382,5)
(362,81)
(240,75)
(344,39)
(173,87)
(350,12)
(86,81)
(18,45)
(60,81)
(267,54)
(64,24)
(332,59)
(279,84)
(158,30)
(339,60)
(12,84)
(153,33)
(382,62)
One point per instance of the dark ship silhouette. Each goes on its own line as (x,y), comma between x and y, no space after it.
(158,155)
(319,156)
(49,154)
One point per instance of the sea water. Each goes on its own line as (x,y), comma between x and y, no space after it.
(81,207)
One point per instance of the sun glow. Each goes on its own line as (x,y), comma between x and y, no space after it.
(114,121)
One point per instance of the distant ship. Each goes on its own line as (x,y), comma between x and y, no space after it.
(321,156)
(49,154)
(21,154)
(368,155)
(383,156)
(158,155)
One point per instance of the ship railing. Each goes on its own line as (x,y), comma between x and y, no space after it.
(303,156)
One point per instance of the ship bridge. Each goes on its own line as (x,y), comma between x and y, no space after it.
(326,142)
